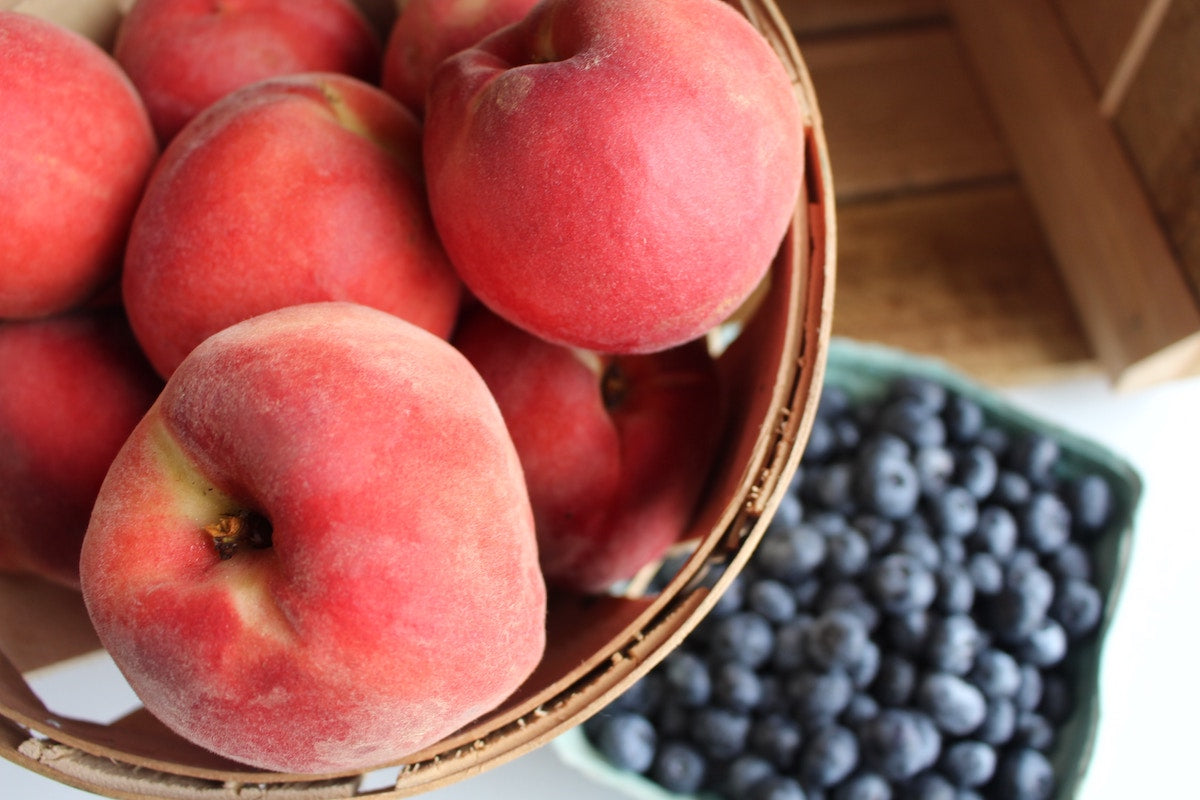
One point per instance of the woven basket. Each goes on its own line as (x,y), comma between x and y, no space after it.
(597,646)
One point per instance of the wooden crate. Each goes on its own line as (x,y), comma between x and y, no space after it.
(1018,183)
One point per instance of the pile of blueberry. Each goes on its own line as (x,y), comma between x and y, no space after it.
(900,632)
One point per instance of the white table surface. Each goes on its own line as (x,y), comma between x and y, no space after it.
(1150,693)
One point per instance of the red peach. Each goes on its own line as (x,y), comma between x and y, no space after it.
(615,176)
(298,189)
(74,388)
(615,450)
(427,32)
(75,149)
(184,55)
(316,553)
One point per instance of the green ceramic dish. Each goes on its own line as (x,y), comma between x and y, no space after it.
(865,371)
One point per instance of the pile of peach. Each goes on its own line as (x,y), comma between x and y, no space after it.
(325,353)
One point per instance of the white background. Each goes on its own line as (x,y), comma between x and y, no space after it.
(1150,689)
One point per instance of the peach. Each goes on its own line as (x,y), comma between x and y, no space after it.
(615,176)
(616,450)
(74,387)
(75,149)
(184,55)
(427,32)
(316,551)
(299,189)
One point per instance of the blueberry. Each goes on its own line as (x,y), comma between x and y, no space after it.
(896,681)
(935,467)
(968,763)
(1090,500)
(1021,604)
(861,708)
(836,639)
(1072,560)
(996,673)
(772,599)
(881,444)
(673,720)
(953,512)
(912,421)
(899,743)
(679,767)
(953,643)
(931,786)
(1034,455)
(776,738)
(731,600)
(1024,774)
(918,542)
(956,590)
(819,696)
(996,532)
(822,443)
(833,402)
(900,583)
(777,787)
(1029,695)
(994,438)
(862,670)
(1058,698)
(848,434)
(720,733)
(743,772)
(829,755)
(625,739)
(986,573)
(877,530)
(864,786)
(686,679)
(643,697)
(1046,645)
(1045,522)
(886,485)
(790,639)
(999,723)
(746,637)
(924,392)
(977,470)
(1077,606)
(806,591)
(790,554)
(847,554)
(789,512)
(907,633)
(828,522)
(829,485)
(1012,489)
(953,550)
(955,705)
(737,687)
(1034,730)
(963,417)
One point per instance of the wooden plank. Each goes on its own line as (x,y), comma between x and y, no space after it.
(964,275)
(901,112)
(1135,305)
(1160,125)
(1113,37)
(809,17)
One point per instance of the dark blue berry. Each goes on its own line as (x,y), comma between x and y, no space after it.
(790,644)
(679,767)
(953,643)
(847,554)
(829,755)
(737,687)
(924,392)
(1090,499)
(886,485)
(673,720)
(1034,731)
(821,444)
(994,438)
(968,763)
(850,597)
(996,532)
(1022,603)
(900,583)
(1072,560)
(1045,522)
(1058,698)
(848,434)
(955,706)
(912,421)
(720,733)
(996,673)
(862,670)
(836,639)
(935,467)
(686,679)
(877,530)
(1035,455)
(827,521)
(1077,606)
(790,554)
(777,787)
(643,697)
(772,599)
(864,786)
(1029,695)
(626,740)
(1046,645)
(829,485)
(953,511)
(776,738)
(746,637)
(964,418)
(819,696)
(743,772)
(1012,489)
(789,512)
(896,680)
(898,743)
(986,573)
(834,401)
(931,786)
(861,708)
(907,633)
(956,590)
(999,723)
(1024,774)
(731,600)
(977,470)
(918,542)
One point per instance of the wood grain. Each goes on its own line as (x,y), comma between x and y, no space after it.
(826,16)
(901,112)
(964,275)
(1135,305)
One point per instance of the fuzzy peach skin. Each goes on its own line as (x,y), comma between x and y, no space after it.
(75,149)
(299,189)
(74,387)
(616,450)
(427,32)
(184,55)
(379,586)
(615,175)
